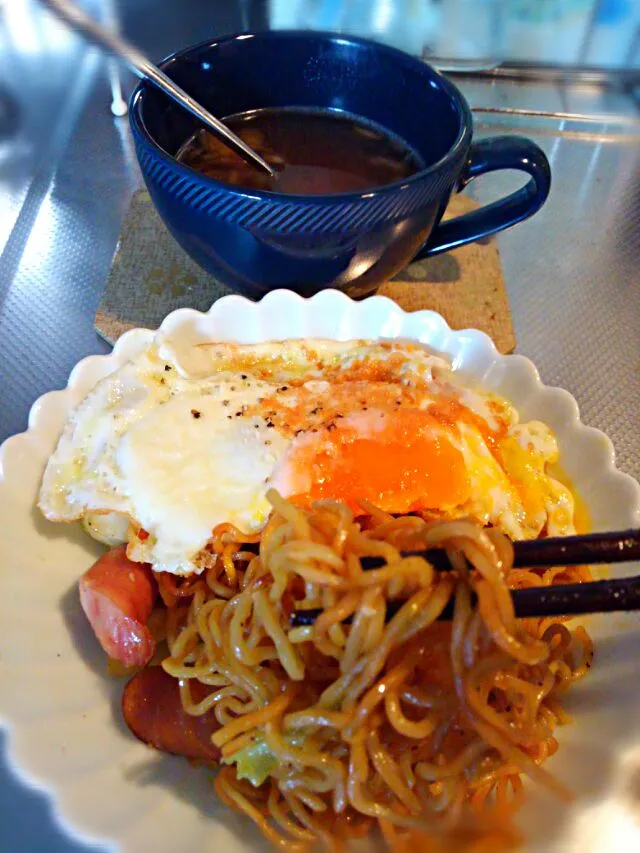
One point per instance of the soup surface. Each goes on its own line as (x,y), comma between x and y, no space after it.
(315,152)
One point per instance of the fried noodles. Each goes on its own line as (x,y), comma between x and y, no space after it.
(413,729)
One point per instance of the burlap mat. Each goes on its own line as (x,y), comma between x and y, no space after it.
(152,276)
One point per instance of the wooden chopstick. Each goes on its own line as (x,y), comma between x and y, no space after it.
(619,546)
(619,594)
(561,600)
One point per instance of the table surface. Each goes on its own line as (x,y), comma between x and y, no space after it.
(68,170)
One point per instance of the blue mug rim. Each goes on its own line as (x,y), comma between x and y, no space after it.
(136,106)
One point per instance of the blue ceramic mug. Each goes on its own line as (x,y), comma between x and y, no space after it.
(255,241)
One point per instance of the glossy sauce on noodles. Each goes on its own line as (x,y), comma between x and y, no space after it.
(415,729)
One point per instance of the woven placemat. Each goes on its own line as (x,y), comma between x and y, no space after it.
(152,276)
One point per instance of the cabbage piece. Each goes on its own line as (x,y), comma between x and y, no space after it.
(255,762)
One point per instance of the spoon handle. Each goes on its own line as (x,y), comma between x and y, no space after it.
(143,67)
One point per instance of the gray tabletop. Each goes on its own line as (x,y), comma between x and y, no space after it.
(67,173)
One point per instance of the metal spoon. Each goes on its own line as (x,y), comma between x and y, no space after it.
(143,67)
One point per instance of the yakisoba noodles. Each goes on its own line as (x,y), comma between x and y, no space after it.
(416,730)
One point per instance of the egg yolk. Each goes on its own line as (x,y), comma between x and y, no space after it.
(400,460)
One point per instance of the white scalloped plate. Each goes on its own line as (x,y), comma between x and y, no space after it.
(62,713)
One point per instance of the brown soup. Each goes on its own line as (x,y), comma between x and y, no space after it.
(314,151)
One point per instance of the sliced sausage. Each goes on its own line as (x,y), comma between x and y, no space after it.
(117,596)
(153,711)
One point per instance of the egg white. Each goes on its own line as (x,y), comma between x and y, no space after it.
(150,449)
(184,474)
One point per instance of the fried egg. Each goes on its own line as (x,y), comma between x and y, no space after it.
(181,439)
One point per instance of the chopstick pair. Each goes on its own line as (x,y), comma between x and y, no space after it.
(619,594)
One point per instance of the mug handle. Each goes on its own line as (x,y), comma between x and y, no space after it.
(489,155)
